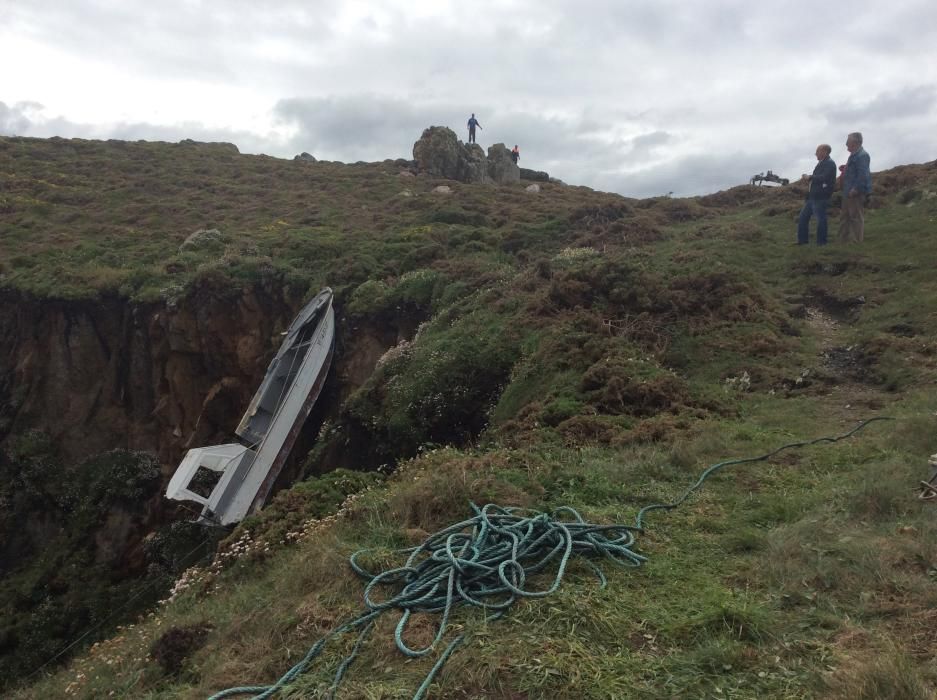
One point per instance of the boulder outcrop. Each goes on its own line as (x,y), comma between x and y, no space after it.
(501,167)
(439,152)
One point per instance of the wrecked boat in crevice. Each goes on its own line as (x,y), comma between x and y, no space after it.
(231,481)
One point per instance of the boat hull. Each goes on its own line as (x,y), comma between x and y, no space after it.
(271,425)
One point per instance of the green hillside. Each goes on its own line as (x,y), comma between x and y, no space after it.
(571,348)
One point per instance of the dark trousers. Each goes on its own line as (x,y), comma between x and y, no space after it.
(812,207)
(471,134)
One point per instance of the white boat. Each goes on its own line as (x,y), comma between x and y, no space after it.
(233,480)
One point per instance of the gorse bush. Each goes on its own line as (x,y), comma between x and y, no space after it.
(439,390)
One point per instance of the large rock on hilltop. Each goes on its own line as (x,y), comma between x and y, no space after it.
(439,152)
(501,167)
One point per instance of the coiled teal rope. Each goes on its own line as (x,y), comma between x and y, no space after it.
(485,562)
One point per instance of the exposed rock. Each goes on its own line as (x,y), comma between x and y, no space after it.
(534,188)
(305,158)
(535,175)
(442,189)
(405,193)
(202,238)
(214,145)
(105,374)
(439,152)
(405,173)
(501,167)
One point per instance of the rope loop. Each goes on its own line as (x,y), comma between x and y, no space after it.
(486,562)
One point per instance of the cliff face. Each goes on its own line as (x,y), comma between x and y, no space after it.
(105,374)
(82,520)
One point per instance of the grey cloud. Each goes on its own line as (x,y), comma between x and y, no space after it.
(370,127)
(900,104)
(661,24)
(367,127)
(697,174)
(175,37)
(16,119)
(647,143)
(641,98)
(360,127)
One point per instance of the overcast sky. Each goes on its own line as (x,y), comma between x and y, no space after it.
(641,98)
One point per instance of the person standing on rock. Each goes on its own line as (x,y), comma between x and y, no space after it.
(857,185)
(472,123)
(515,154)
(818,196)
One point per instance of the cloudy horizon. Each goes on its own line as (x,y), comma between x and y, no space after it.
(640,98)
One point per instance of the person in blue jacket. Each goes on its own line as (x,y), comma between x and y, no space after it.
(857,185)
(818,196)
(472,123)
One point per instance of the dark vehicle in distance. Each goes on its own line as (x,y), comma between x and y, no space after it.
(762,178)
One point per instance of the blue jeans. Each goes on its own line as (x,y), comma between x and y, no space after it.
(812,207)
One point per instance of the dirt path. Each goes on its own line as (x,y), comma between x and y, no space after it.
(845,396)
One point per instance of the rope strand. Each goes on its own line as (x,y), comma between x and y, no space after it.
(485,562)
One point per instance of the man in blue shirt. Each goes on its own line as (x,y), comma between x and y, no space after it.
(472,123)
(818,196)
(857,184)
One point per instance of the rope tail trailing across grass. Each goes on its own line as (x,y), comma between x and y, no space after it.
(485,562)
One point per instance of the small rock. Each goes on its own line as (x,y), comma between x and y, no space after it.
(305,158)
(405,173)
(442,189)
(534,188)
(405,193)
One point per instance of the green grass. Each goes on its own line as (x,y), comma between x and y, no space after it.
(704,616)
(574,350)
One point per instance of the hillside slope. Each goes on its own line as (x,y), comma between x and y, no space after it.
(560,348)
